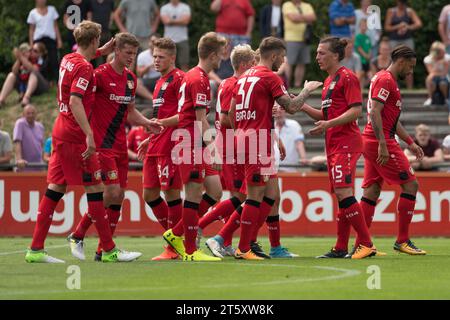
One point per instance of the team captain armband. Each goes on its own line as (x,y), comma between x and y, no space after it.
(409,141)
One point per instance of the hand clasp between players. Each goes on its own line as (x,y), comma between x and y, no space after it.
(320,128)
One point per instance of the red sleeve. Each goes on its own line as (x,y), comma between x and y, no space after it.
(199,94)
(80,82)
(249,11)
(381,89)
(352,91)
(276,86)
(133,92)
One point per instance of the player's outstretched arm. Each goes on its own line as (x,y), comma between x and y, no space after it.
(77,108)
(231,113)
(171,121)
(136,118)
(293,105)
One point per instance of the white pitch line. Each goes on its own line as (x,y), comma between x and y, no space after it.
(345,273)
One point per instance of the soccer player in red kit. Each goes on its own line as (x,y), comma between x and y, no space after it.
(194,163)
(114,105)
(74,160)
(341,107)
(232,174)
(384,158)
(251,109)
(156,151)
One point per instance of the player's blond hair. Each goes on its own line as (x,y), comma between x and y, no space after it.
(85,32)
(242,53)
(210,43)
(125,38)
(166,44)
(257,55)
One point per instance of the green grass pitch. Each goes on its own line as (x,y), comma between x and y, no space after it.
(400,276)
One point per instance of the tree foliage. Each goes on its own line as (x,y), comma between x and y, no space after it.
(14,29)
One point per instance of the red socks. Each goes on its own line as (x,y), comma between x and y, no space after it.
(405,207)
(100,219)
(368,207)
(273,225)
(83,226)
(223,210)
(354,214)
(113,213)
(249,221)
(231,226)
(264,211)
(190,224)
(206,203)
(175,212)
(160,210)
(343,232)
(44,218)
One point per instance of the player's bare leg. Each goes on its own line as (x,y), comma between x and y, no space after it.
(46,208)
(405,208)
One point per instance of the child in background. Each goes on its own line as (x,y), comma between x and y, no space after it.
(363,47)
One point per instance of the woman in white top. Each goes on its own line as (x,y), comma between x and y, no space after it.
(44,28)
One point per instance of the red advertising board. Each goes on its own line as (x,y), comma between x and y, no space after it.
(307,208)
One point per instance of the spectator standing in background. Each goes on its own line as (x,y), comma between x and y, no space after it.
(103,13)
(235,20)
(5,148)
(383,60)
(444,26)
(342,15)
(271,21)
(363,46)
(145,69)
(373,33)
(352,60)
(290,133)
(44,28)
(297,15)
(438,65)
(141,19)
(28,139)
(431,149)
(68,9)
(400,23)
(176,16)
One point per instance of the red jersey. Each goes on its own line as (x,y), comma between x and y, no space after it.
(75,79)
(195,93)
(384,89)
(339,94)
(255,94)
(165,105)
(233,16)
(135,137)
(114,93)
(225,93)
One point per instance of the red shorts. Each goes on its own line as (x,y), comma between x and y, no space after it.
(162,167)
(232,177)
(114,167)
(342,169)
(196,172)
(67,167)
(259,174)
(396,171)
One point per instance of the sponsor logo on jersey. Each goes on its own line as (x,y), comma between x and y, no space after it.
(158,102)
(201,99)
(130,84)
(82,83)
(121,99)
(327,103)
(383,94)
(112,84)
